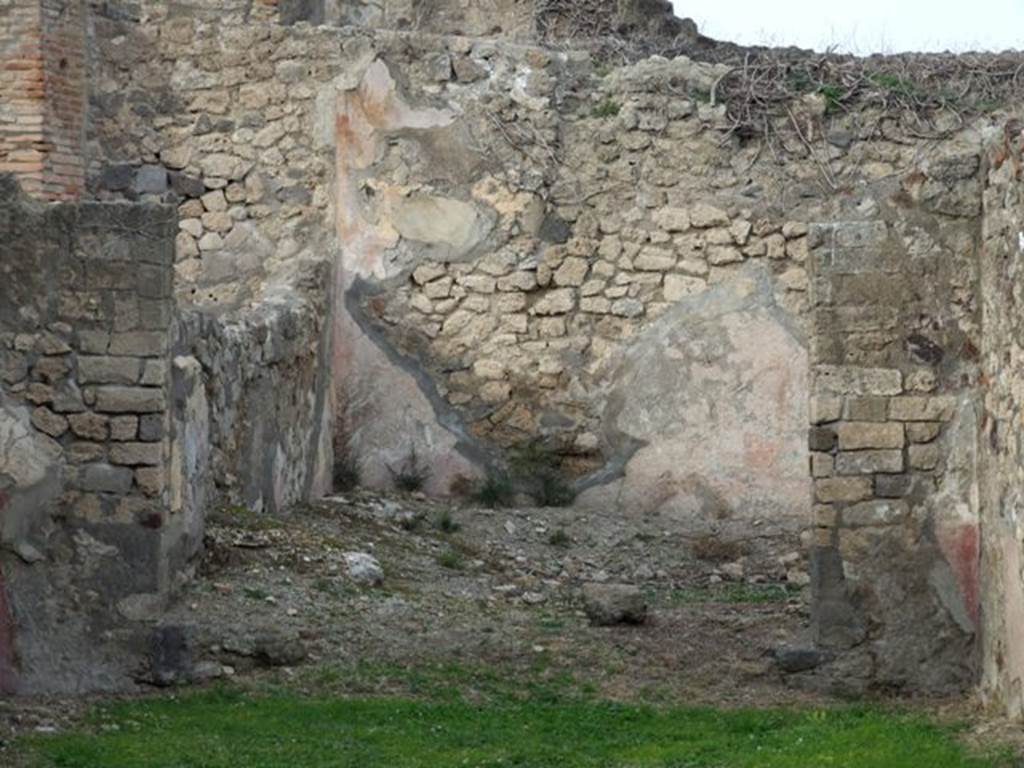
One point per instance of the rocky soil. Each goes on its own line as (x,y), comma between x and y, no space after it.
(487,587)
(364,580)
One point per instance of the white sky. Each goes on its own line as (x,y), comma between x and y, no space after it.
(863,26)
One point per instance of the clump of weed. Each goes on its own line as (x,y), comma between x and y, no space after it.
(411,523)
(451,559)
(412,474)
(607,108)
(445,523)
(559,538)
(712,549)
(553,491)
(348,470)
(540,470)
(496,490)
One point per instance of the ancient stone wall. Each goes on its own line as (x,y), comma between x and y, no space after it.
(88,536)
(1002,477)
(895,411)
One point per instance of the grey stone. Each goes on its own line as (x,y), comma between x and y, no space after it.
(609,604)
(103,478)
(151,179)
(364,569)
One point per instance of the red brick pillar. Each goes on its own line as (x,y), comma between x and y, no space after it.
(43,95)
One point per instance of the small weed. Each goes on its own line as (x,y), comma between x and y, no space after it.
(347,470)
(411,474)
(445,523)
(559,538)
(607,108)
(255,593)
(833,98)
(892,82)
(452,560)
(496,491)
(553,491)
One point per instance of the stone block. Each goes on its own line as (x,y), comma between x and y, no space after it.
(103,478)
(108,370)
(877,512)
(114,399)
(822,465)
(124,428)
(703,215)
(821,439)
(150,480)
(842,489)
(151,427)
(138,344)
(857,435)
(923,431)
(855,380)
(825,515)
(555,302)
(48,422)
(91,426)
(869,462)
(922,408)
(652,259)
(893,486)
(136,454)
(572,272)
(924,457)
(825,408)
(866,408)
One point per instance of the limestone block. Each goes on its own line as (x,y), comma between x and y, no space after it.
(136,454)
(91,426)
(825,408)
(426,273)
(856,435)
(855,380)
(922,408)
(108,370)
(138,344)
(923,431)
(103,478)
(842,489)
(651,259)
(672,219)
(878,512)
(48,422)
(124,428)
(869,462)
(572,272)
(555,302)
(703,215)
(924,457)
(116,399)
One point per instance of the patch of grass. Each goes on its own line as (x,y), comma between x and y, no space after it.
(607,108)
(497,490)
(833,95)
(225,729)
(255,593)
(452,559)
(412,474)
(445,523)
(539,469)
(733,593)
(559,538)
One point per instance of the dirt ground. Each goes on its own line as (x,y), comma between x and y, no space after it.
(486,589)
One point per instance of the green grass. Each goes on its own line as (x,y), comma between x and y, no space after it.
(730,592)
(226,729)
